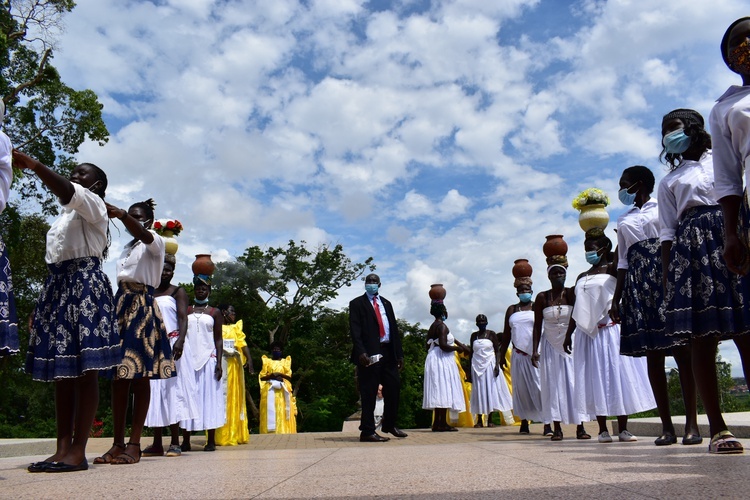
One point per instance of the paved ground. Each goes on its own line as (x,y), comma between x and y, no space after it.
(471,463)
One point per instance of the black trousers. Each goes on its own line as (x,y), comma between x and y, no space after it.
(385,373)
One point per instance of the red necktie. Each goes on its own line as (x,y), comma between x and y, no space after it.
(377,315)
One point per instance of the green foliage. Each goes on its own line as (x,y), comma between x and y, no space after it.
(729,402)
(410,412)
(45,118)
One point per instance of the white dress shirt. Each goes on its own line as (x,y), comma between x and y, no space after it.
(690,185)
(141,262)
(637,224)
(81,229)
(730,136)
(383,315)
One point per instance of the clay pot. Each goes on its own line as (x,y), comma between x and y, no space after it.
(437,292)
(593,216)
(522,268)
(555,245)
(203,264)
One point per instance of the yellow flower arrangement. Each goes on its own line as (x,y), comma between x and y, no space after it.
(590,196)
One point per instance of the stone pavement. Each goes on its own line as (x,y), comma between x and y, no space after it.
(471,463)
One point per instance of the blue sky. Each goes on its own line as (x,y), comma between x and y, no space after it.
(443,138)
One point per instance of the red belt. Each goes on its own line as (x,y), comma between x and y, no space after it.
(519,351)
(173,334)
(611,323)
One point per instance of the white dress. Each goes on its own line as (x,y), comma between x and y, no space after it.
(442,384)
(607,383)
(199,358)
(556,368)
(485,397)
(172,399)
(527,391)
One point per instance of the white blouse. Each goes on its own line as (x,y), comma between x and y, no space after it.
(690,185)
(637,224)
(81,229)
(730,136)
(141,262)
(6,171)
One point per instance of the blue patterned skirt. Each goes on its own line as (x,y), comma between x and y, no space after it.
(146,352)
(703,297)
(73,329)
(642,297)
(8,318)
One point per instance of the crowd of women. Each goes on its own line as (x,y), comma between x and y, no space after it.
(676,285)
(183,364)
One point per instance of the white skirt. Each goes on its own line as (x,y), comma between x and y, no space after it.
(442,384)
(557,376)
(211,399)
(527,392)
(172,399)
(608,384)
(503,393)
(485,397)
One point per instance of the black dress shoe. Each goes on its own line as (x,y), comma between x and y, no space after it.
(39,466)
(63,467)
(373,438)
(396,432)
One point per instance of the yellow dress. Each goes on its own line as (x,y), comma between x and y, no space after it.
(235,431)
(465,418)
(284,424)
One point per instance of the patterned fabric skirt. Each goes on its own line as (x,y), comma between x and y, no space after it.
(642,299)
(703,297)
(73,329)
(8,319)
(145,345)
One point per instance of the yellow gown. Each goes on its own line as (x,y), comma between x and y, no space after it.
(284,425)
(235,431)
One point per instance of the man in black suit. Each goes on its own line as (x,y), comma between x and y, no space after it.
(374,332)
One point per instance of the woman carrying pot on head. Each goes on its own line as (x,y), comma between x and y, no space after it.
(606,383)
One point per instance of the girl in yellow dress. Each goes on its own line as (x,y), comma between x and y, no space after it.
(237,356)
(278,407)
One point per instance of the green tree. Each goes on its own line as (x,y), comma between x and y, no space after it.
(45,118)
(293,281)
(729,402)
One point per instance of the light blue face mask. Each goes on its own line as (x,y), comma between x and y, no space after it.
(593,257)
(626,198)
(676,142)
(201,302)
(524,297)
(372,288)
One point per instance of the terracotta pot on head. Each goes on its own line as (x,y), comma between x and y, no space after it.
(203,264)
(437,292)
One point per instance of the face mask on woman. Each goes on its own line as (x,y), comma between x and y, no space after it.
(626,198)
(524,297)
(593,257)
(676,142)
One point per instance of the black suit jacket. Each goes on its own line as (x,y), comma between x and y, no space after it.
(365,332)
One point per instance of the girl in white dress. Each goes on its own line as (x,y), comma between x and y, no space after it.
(552,311)
(606,383)
(519,327)
(485,397)
(202,358)
(443,390)
(172,399)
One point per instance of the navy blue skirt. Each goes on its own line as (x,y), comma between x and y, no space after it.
(642,327)
(146,352)
(703,297)
(8,319)
(73,329)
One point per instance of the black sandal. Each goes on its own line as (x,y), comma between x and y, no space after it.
(557,435)
(126,458)
(582,434)
(104,460)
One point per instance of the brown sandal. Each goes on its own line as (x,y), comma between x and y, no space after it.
(126,458)
(108,457)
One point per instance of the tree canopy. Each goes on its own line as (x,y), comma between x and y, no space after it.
(44,117)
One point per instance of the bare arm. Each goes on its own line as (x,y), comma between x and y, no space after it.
(218,340)
(505,337)
(539,305)
(59,185)
(182,305)
(134,227)
(735,253)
